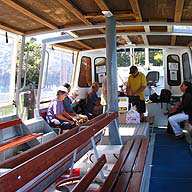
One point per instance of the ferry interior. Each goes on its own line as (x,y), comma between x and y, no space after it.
(81,42)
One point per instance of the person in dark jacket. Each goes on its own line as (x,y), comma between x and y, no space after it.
(185,109)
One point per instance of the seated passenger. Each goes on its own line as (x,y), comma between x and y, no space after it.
(56,111)
(184,110)
(74,100)
(93,102)
(69,109)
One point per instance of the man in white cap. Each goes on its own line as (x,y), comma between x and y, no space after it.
(56,115)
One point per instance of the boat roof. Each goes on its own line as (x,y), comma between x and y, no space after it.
(139,22)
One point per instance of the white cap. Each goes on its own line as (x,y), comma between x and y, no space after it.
(62,88)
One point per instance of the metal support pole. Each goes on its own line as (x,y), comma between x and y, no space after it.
(40,78)
(19,73)
(112,90)
(147,58)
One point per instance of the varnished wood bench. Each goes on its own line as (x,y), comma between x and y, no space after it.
(26,155)
(18,140)
(50,159)
(127,172)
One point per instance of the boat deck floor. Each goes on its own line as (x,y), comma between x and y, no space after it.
(171,165)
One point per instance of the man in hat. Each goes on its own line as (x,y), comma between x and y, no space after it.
(56,112)
(135,87)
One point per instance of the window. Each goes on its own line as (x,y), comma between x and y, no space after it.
(59,71)
(156,57)
(7,69)
(139,54)
(85,78)
(123,58)
(186,67)
(173,70)
(100,69)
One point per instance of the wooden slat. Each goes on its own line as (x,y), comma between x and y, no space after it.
(111,179)
(177,18)
(135,182)
(88,177)
(122,182)
(19,159)
(77,13)
(136,10)
(11,29)
(18,141)
(43,161)
(84,45)
(178,10)
(61,163)
(28,13)
(102,5)
(140,161)
(10,123)
(128,165)
(73,10)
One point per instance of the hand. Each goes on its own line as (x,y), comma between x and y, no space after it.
(134,94)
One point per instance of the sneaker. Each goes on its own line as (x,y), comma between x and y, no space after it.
(182,136)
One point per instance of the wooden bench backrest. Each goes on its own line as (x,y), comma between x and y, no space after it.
(88,178)
(17,160)
(35,166)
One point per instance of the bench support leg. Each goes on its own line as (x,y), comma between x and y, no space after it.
(96,155)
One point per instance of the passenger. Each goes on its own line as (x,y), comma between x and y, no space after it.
(135,87)
(104,95)
(74,101)
(56,111)
(185,109)
(69,109)
(93,102)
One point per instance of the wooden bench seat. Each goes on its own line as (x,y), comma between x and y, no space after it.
(127,172)
(18,141)
(10,123)
(91,174)
(50,158)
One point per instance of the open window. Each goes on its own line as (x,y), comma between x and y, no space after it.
(186,67)
(100,69)
(173,70)
(85,78)
(7,69)
(58,70)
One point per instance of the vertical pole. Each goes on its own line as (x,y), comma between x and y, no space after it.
(40,78)
(112,90)
(147,58)
(19,73)
(132,56)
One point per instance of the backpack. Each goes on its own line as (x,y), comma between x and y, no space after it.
(165,96)
(133,117)
(154,98)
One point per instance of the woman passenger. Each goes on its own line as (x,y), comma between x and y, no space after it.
(185,108)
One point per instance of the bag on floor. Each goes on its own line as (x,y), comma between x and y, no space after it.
(133,117)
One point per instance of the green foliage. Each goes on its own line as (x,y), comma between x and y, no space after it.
(155,57)
(123,58)
(34,61)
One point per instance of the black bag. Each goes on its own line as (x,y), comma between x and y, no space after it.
(165,96)
(154,98)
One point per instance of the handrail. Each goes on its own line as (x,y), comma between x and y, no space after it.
(46,70)
(35,166)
